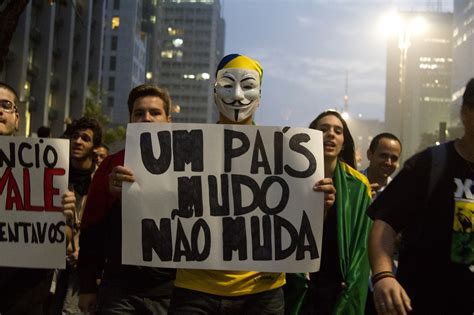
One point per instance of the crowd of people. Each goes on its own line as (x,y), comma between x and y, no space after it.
(422,219)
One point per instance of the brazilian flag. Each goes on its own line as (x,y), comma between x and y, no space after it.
(353,197)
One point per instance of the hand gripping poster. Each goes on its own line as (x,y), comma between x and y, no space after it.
(33,177)
(223,197)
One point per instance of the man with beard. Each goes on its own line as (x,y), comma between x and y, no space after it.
(23,290)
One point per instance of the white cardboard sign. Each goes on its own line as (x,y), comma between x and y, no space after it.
(33,177)
(224,197)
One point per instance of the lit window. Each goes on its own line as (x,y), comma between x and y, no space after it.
(153,19)
(167,54)
(175,31)
(115,22)
(171,31)
(177,42)
(203,76)
(50,100)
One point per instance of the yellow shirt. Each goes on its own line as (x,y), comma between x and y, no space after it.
(228,283)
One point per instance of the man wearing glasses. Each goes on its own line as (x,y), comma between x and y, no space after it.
(9,117)
(23,290)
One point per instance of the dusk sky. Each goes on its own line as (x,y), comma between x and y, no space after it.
(305,48)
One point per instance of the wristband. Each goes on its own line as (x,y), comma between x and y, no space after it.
(381,275)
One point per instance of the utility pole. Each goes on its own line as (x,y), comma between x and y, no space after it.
(346,93)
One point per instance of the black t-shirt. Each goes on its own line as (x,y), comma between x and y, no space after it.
(435,284)
(326,283)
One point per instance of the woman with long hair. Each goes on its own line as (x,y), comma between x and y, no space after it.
(340,285)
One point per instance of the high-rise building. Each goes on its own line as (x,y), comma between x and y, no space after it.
(463,53)
(124,56)
(418,85)
(189,44)
(54,54)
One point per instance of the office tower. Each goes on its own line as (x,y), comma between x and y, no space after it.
(54,55)
(418,86)
(189,45)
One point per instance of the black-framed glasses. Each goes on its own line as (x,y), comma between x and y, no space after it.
(7,106)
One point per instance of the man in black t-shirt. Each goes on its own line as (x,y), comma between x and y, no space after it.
(431,202)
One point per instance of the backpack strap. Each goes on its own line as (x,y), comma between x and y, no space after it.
(439,155)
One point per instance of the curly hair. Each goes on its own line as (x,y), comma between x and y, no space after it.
(88,123)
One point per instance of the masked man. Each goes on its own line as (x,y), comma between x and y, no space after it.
(237,96)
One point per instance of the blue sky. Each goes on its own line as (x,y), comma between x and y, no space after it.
(306,47)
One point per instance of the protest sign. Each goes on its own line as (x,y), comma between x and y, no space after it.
(223,197)
(34,176)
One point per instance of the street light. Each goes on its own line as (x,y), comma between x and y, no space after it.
(392,24)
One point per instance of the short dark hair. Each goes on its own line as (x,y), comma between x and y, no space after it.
(375,141)
(348,149)
(16,98)
(468,96)
(149,90)
(103,145)
(43,132)
(88,123)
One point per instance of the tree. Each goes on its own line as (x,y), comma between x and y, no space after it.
(9,17)
(93,109)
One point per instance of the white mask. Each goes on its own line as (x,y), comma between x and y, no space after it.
(237,93)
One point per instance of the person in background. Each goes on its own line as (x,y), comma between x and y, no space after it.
(101,152)
(383,155)
(44,132)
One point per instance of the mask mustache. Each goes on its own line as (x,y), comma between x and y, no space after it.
(237,103)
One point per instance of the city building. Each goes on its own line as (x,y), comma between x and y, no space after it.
(55,53)
(418,84)
(463,53)
(189,43)
(124,53)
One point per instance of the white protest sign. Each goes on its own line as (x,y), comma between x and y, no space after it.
(34,176)
(223,197)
